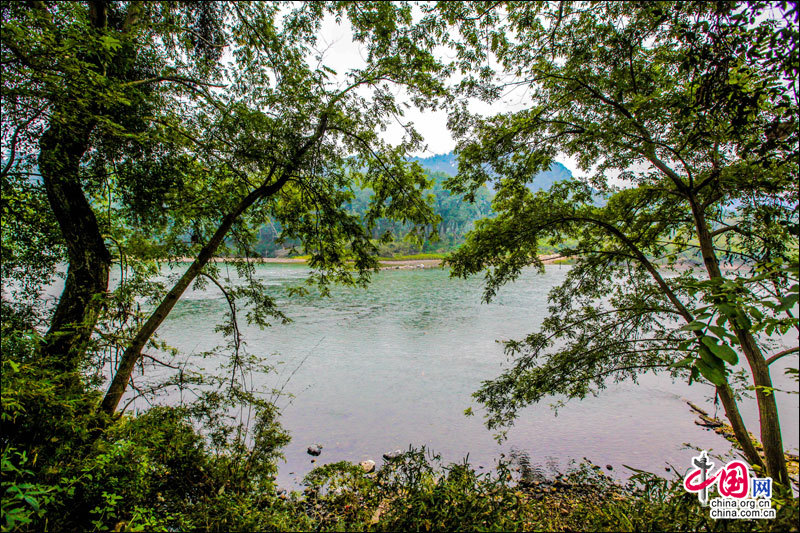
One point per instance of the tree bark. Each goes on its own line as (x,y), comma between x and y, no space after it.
(739,430)
(771,438)
(61,148)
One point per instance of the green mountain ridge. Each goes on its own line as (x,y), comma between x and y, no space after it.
(448,164)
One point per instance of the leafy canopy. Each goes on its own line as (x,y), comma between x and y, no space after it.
(684,116)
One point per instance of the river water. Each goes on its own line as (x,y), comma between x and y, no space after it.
(377,369)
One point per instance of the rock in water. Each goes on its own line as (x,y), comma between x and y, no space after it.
(392,455)
(368,465)
(315,449)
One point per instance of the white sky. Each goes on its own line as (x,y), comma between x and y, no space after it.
(342,54)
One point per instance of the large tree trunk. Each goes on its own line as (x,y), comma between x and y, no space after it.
(771,438)
(767,408)
(61,148)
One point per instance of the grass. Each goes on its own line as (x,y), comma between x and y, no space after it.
(414,493)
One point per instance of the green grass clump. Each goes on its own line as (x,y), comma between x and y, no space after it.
(414,493)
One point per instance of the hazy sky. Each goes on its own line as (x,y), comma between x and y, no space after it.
(342,54)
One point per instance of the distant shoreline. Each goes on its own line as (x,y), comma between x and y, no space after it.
(409,262)
(385,264)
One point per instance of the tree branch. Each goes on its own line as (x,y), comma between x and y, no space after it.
(735,228)
(782,354)
(237,338)
(162,363)
(133,351)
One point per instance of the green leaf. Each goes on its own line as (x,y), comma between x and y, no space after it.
(694,326)
(719,331)
(708,357)
(686,361)
(787,302)
(728,310)
(742,320)
(723,351)
(755,313)
(712,374)
(110,43)
(684,345)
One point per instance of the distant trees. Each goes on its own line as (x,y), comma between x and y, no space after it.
(455,215)
(693,105)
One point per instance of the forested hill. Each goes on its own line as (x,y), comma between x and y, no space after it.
(457,215)
(448,164)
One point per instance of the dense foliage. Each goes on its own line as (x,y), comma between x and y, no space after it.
(691,109)
(169,130)
(138,134)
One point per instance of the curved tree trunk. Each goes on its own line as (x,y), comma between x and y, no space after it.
(723,391)
(61,148)
(133,352)
(771,438)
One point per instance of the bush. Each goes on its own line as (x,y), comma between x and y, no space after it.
(65,467)
(414,493)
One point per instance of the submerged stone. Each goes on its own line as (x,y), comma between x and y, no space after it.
(315,449)
(392,455)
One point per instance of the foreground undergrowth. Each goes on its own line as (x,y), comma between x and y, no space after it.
(64,467)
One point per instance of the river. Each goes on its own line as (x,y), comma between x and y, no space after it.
(377,369)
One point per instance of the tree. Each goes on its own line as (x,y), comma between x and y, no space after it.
(161,129)
(693,106)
